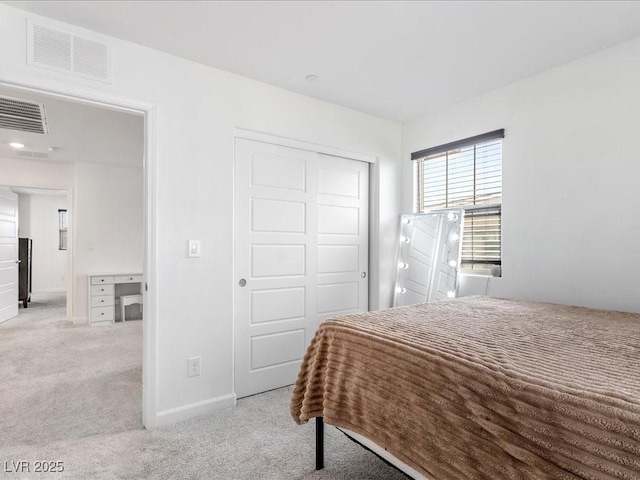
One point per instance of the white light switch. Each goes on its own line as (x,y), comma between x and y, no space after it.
(194,248)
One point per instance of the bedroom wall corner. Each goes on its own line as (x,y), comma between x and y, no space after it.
(569,176)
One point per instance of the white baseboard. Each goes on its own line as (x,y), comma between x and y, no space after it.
(174,415)
(49,290)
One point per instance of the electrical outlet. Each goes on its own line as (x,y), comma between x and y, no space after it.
(193,367)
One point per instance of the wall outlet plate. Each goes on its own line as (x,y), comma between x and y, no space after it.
(193,367)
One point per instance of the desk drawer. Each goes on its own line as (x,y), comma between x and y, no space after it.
(101,280)
(128,279)
(102,314)
(102,290)
(102,301)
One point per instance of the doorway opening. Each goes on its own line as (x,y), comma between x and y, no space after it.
(43,290)
(103,175)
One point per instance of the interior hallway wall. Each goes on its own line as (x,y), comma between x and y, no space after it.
(24,215)
(49,263)
(108,233)
(48,175)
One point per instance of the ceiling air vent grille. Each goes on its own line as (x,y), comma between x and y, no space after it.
(33,154)
(24,116)
(64,51)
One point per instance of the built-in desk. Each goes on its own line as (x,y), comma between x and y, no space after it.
(104,291)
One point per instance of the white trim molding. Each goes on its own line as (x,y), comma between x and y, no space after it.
(313,147)
(179,414)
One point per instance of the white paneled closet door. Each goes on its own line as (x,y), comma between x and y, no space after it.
(301,255)
(343,236)
(8,254)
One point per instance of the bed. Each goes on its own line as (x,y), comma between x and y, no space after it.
(481,388)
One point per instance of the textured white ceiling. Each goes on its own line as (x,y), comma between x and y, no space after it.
(394,59)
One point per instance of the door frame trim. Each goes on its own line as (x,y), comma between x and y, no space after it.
(301,145)
(374,216)
(90,96)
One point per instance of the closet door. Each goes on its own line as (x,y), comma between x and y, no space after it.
(343,237)
(8,254)
(295,262)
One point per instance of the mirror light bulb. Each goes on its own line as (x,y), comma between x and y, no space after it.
(451,294)
(455,237)
(406,220)
(453,263)
(404,239)
(452,216)
(400,290)
(403,265)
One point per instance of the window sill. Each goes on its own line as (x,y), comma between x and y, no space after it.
(476,273)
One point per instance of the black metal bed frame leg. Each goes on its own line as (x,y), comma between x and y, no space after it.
(319,443)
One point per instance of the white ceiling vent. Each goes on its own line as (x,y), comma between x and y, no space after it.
(24,116)
(33,153)
(62,50)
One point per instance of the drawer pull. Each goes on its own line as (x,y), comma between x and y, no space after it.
(102,313)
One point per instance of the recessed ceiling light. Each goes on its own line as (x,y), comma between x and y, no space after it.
(16,145)
(311,78)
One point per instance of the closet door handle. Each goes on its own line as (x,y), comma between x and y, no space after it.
(363,275)
(242,282)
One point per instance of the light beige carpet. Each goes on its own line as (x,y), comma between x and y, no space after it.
(72,394)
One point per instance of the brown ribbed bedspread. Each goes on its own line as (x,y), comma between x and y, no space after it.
(483,388)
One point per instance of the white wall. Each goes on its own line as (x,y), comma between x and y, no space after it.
(108,221)
(198,109)
(570,172)
(36,173)
(49,263)
(24,215)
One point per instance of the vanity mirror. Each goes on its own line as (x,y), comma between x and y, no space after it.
(428,257)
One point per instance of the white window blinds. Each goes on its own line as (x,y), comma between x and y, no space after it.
(466,174)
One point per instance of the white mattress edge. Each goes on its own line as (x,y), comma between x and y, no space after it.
(375,448)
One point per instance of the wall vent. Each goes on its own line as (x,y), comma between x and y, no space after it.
(63,51)
(24,116)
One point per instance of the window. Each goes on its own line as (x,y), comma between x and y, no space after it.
(62,229)
(466,174)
